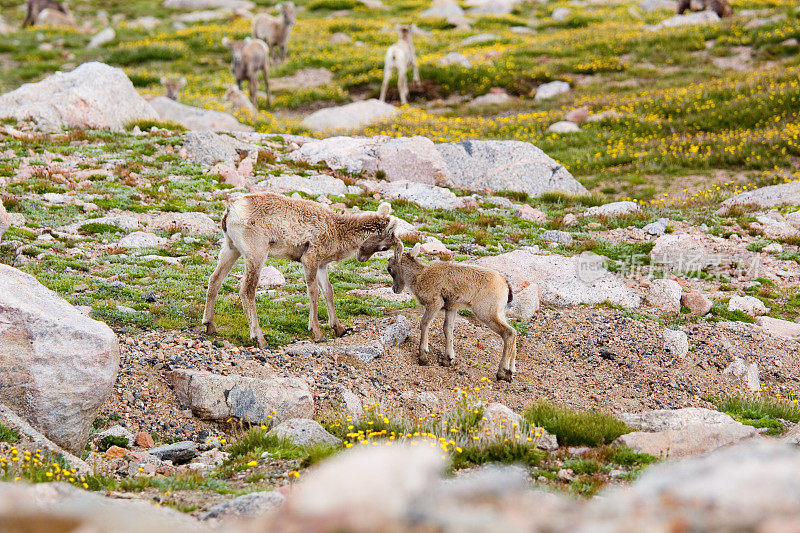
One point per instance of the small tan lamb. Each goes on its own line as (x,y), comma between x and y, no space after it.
(450,286)
(248,58)
(275,31)
(400,56)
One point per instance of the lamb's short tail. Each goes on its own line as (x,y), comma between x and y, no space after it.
(510,293)
(225,220)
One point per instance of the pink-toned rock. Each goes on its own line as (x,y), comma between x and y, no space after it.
(570,220)
(783,328)
(531,213)
(5,220)
(115,452)
(229,174)
(697,303)
(577,115)
(144,439)
(435,247)
(270,277)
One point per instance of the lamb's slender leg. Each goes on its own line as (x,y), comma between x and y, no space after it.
(247,293)
(415,70)
(253,86)
(424,327)
(495,320)
(449,324)
(327,294)
(227,257)
(402,84)
(387,75)
(266,82)
(310,267)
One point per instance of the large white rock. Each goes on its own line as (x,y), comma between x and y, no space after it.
(349,116)
(683,252)
(782,328)
(142,239)
(525,303)
(94,96)
(772,196)
(506,165)
(311,185)
(563,281)
(102,37)
(747,304)
(682,432)
(191,222)
(195,118)
(57,366)
(216,397)
(614,209)
(688,19)
(551,89)
(233,5)
(443,9)
(427,196)
(206,148)
(304,432)
(665,295)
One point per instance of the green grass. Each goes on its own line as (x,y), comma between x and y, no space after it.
(256,442)
(8,435)
(497,452)
(576,428)
(763,412)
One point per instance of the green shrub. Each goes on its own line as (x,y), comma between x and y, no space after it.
(110,440)
(8,434)
(760,412)
(576,428)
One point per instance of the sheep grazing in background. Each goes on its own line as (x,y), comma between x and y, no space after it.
(173,86)
(259,226)
(36,7)
(399,57)
(720,7)
(248,57)
(238,100)
(275,30)
(450,286)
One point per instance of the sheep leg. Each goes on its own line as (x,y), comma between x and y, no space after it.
(266,81)
(313,297)
(424,327)
(402,84)
(387,75)
(247,293)
(253,86)
(497,323)
(415,68)
(227,257)
(449,324)
(327,294)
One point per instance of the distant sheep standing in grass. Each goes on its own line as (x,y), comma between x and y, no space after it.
(275,30)
(399,57)
(265,225)
(720,7)
(450,286)
(238,100)
(248,57)
(35,7)
(173,86)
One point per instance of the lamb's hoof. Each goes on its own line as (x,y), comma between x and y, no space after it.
(341,331)
(210,329)
(261,342)
(321,338)
(423,359)
(447,361)
(504,375)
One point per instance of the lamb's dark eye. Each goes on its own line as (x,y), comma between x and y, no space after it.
(390,270)
(384,248)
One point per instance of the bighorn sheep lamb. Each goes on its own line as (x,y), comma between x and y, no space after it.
(271,225)
(399,57)
(173,86)
(720,7)
(275,30)
(238,101)
(450,286)
(35,7)
(248,57)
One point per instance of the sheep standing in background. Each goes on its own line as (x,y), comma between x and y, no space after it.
(238,100)
(248,57)
(173,86)
(259,226)
(275,30)
(35,8)
(399,57)
(720,7)
(450,286)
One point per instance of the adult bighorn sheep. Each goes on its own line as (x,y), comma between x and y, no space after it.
(248,58)
(264,225)
(400,56)
(173,86)
(275,30)
(720,7)
(35,7)
(450,286)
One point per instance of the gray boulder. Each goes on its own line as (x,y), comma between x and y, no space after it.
(312,185)
(349,116)
(245,506)
(772,196)
(195,118)
(676,342)
(191,222)
(94,96)
(506,165)
(57,366)
(216,397)
(397,332)
(304,432)
(206,148)
(614,209)
(116,431)
(551,89)
(665,295)
(427,196)
(697,18)
(178,453)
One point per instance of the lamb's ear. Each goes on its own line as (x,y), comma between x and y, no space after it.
(384,209)
(226,41)
(398,250)
(415,251)
(182,82)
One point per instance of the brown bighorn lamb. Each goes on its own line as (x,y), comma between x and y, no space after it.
(399,57)
(35,7)
(248,57)
(720,7)
(450,286)
(275,30)
(173,86)
(264,225)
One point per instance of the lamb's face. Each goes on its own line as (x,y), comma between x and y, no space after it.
(288,11)
(236,53)
(398,283)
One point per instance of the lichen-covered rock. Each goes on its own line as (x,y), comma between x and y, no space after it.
(195,118)
(304,432)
